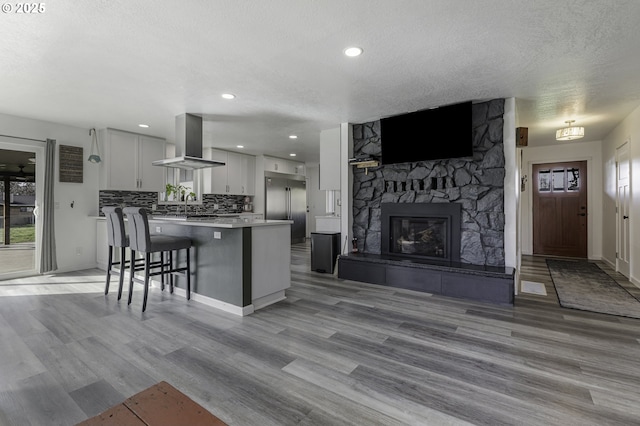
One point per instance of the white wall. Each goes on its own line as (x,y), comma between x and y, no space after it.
(562,152)
(511,189)
(627,130)
(346,185)
(316,198)
(75,230)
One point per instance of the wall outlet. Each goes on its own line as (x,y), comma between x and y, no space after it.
(78,251)
(234,207)
(158,229)
(217,235)
(56,205)
(215,207)
(154,207)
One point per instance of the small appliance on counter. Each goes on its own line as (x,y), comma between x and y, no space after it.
(248,206)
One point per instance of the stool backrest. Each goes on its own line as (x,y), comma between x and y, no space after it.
(115,226)
(139,239)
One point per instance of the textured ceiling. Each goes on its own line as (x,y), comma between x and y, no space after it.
(118,63)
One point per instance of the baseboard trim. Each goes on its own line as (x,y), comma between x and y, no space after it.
(608,262)
(215,303)
(269,299)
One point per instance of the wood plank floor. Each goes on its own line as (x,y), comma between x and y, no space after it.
(335,352)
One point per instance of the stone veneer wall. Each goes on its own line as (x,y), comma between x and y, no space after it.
(147,199)
(475,182)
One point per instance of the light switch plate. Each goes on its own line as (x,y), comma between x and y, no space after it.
(158,228)
(217,235)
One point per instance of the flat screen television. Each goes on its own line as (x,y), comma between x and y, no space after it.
(430,134)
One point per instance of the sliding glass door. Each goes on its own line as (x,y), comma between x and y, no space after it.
(20,193)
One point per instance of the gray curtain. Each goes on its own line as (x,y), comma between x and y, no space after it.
(48,260)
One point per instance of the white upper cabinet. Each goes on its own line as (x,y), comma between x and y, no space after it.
(127,161)
(236,177)
(280,165)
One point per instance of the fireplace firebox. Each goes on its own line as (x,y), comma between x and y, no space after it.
(427,231)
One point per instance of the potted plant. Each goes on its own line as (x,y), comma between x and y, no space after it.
(169,190)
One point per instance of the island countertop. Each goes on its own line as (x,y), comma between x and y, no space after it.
(220,222)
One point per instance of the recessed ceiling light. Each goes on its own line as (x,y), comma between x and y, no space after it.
(240,146)
(293,137)
(228,96)
(292,155)
(353,51)
(144,126)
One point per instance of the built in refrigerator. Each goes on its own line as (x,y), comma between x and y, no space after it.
(286,199)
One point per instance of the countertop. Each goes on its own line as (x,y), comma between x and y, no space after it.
(221,222)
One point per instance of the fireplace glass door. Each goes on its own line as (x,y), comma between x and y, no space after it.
(422,236)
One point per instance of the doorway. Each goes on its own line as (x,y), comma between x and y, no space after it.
(560,209)
(622,209)
(18,210)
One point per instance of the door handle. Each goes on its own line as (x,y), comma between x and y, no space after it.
(625,217)
(582,214)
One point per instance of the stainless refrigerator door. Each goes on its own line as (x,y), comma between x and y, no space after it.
(298,210)
(276,199)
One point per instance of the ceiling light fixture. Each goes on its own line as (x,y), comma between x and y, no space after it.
(353,51)
(228,96)
(239,146)
(293,137)
(144,126)
(570,132)
(292,155)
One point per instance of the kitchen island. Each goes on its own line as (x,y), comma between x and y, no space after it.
(238,264)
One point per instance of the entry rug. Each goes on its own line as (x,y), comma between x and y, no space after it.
(583,285)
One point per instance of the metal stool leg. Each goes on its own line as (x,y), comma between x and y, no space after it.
(109,266)
(132,269)
(188,273)
(162,271)
(122,269)
(171,273)
(147,267)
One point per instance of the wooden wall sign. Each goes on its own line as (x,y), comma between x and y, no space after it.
(71,164)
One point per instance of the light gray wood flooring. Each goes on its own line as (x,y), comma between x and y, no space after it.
(334,353)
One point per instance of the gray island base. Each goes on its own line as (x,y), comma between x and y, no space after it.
(237,265)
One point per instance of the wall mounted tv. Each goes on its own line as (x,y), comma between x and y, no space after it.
(430,134)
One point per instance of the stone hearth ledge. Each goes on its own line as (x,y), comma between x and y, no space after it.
(494,284)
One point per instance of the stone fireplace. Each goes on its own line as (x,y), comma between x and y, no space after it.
(423,231)
(475,183)
(433,226)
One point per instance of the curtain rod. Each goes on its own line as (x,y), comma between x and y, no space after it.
(26,139)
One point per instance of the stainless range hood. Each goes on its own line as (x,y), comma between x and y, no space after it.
(188,145)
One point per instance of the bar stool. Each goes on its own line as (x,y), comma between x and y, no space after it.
(141,240)
(116,237)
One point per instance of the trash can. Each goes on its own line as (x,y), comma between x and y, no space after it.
(325,247)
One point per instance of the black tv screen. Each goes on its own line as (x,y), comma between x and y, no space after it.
(430,134)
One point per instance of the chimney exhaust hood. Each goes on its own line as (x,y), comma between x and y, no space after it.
(188,145)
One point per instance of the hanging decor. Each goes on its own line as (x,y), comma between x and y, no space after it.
(94,157)
(70,166)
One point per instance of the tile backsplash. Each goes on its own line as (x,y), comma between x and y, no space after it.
(147,199)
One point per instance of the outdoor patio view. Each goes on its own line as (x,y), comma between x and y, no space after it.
(17,236)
